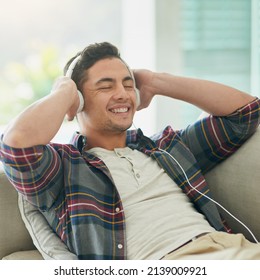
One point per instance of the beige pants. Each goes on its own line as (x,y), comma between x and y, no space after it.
(217,246)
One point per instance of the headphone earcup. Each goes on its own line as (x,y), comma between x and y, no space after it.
(138,99)
(69,74)
(81,102)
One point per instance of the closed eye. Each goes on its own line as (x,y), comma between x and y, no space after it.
(131,87)
(105,88)
(128,84)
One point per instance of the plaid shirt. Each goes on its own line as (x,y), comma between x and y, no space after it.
(75,191)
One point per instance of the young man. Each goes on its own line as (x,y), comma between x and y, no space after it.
(117,194)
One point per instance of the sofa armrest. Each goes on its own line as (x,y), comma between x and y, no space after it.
(235,184)
(13,234)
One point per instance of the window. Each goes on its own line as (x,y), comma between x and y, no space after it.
(255,57)
(216,40)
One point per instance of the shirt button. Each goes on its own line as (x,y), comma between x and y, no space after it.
(117,209)
(120,246)
(138,175)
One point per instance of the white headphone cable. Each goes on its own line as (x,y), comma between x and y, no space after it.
(222,207)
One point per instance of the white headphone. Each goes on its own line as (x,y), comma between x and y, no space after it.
(81,100)
(137,92)
(69,74)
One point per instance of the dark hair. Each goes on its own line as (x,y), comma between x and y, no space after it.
(89,56)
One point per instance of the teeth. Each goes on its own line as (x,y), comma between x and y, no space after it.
(120,110)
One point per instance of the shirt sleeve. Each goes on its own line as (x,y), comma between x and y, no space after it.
(35,172)
(213,139)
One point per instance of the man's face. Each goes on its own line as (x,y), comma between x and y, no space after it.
(109,96)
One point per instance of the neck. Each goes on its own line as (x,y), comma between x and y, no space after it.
(108,141)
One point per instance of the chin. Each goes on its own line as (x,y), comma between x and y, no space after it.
(122,128)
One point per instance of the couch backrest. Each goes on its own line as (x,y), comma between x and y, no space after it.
(235,183)
(13,234)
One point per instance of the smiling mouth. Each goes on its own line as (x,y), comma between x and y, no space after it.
(120,110)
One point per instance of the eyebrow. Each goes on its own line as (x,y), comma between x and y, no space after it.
(102,80)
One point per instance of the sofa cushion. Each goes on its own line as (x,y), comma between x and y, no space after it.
(45,240)
(24,255)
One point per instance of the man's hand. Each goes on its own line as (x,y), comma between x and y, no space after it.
(143,80)
(65,84)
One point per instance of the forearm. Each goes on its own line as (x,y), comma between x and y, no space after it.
(38,123)
(214,98)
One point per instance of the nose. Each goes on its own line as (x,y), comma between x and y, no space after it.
(121,93)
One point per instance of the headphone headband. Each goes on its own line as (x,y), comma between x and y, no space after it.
(72,66)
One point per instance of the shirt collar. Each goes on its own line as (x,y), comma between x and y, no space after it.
(79,141)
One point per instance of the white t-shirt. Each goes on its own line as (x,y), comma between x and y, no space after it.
(159,216)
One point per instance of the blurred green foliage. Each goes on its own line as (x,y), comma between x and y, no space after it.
(22,83)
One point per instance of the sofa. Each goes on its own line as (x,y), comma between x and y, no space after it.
(235,185)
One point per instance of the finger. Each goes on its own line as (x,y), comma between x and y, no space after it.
(69,118)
